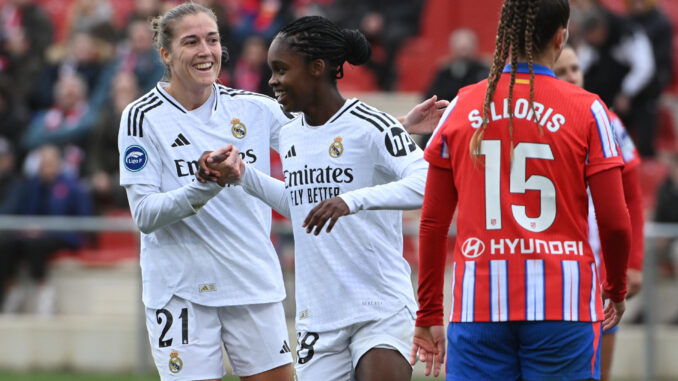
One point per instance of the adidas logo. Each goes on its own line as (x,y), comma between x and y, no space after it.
(180,141)
(285,347)
(291,153)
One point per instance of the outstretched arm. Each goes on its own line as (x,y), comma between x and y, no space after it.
(424,117)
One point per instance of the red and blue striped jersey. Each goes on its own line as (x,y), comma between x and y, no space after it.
(522,250)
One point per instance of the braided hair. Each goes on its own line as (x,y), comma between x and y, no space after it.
(316,37)
(525,28)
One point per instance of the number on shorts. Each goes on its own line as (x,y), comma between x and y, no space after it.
(162,343)
(306,343)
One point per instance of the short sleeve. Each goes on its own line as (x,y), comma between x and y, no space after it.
(603,151)
(395,148)
(140,161)
(437,150)
(628,148)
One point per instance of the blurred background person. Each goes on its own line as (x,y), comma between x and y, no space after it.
(251,71)
(81,55)
(463,66)
(102,166)
(10,197)
(10,180)
(25,34)
(51,192)
(386,24)
(13,114)
(135,54)
(643,115)
(616,58)
(92,16)
(666,211)
(66,124)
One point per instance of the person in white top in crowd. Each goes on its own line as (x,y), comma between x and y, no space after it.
(341,157)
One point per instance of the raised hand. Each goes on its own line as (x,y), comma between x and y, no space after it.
(330,209)
(424,117)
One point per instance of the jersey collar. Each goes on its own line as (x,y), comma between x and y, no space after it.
(161,90)
(523,68)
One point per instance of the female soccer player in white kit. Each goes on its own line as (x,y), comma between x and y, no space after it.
(203,287)
(342,157)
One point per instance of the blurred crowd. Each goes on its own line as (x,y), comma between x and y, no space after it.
(61,99)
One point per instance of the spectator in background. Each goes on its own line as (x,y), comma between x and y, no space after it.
(643,118)
(10,197)
(66,124)
(13,114)
(386,24)
(81,56)
(50,193)
(462,68)
(135,55)
(144,10)
(666,211)
(102,164)
(616,58)
(10,180)
(25,34)
(258,18)
(92,16)
(251,71)
(22,17)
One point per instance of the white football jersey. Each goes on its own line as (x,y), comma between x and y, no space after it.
(223,254)
(357,271)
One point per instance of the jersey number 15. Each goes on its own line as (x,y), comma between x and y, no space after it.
(519,184)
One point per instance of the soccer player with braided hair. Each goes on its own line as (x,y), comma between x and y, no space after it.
(514,154)
(351,167)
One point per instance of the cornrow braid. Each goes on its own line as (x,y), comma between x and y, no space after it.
(513,42)
(500,55)
(316,37)
(525,28)
(532,10)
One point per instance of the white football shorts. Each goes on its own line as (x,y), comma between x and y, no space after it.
(186,339)
(334,355)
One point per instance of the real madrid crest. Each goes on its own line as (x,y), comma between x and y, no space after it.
(336,148)
(238,128)
(175,363)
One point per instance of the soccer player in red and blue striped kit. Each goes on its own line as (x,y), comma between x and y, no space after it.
(526,298)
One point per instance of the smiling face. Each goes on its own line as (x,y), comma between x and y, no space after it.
(567,67)
(291,79)
(195,57)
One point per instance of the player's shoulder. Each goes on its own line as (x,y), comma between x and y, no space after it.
(564,90)
(232,94)
(368,119)
(251,99)
(138,113)
(153,100)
